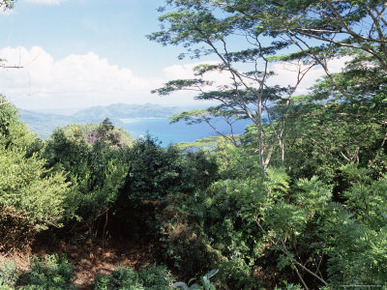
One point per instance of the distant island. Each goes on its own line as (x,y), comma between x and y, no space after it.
(44,123)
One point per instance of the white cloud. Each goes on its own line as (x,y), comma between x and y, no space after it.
(87,80)
(46,2)
(78,81)
(74,81)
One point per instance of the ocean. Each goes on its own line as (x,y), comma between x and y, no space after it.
(160,129)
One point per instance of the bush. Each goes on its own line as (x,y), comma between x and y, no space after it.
(207,285)
(122,278)
(53,272)
(31,198)
(4,286)
(152,277)
(8,274)
(155,277)
(182,240)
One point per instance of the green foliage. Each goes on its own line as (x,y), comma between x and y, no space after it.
(8,274)
(155,277)
(206,283)
(356,231)
(215,227)
(296,21)
(204,144)
(211,27)
(153,171)
(4,286)
(356,252)
(53,272)
(291,286)
(151,277)
(13,133)
(234,162)
(365,198)
(356,29)
(122,278)
(94,158)
(319,221)
(183,243)
(250,218)
(32,198)
(304,226)
(28,192)
(324,137)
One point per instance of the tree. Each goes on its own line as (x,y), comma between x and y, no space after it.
(321,30)
(327,130)
(356,25)
(267,31)
(153,171)
(248,94)
(14,133)
(94,158)
(32,198)
(6,4)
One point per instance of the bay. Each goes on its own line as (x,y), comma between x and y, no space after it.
(167,133)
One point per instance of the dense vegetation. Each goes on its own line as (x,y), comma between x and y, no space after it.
(297,201)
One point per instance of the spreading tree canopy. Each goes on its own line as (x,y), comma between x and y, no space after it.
(247,36)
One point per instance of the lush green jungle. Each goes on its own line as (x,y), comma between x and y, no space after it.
(299,201)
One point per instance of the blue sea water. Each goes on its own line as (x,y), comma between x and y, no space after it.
(178,132)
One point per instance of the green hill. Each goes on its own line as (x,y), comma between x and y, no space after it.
(43,123)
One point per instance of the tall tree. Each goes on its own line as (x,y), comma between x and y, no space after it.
(320,30)
(359,25)
(208,27)
(32,198)
(245,32)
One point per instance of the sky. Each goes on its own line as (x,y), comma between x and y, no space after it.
(82,53)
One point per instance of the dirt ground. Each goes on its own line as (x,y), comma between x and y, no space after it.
(90,258)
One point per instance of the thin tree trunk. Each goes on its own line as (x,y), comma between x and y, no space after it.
(258,123)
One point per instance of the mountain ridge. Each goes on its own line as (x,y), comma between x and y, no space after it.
(44,123)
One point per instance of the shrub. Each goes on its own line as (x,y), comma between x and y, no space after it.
(182,240)
(152,277)
(31,198)
(122,278)
(53,272)
(155,277)
(4,286)
(8,274)
(207,285)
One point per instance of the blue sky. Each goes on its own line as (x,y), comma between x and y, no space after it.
(81,53)
(112,29)
(96,34)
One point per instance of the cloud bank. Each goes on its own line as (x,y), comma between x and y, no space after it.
(75,81)
(79,81)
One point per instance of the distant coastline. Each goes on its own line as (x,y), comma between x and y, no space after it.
(128,120)
(138,120)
